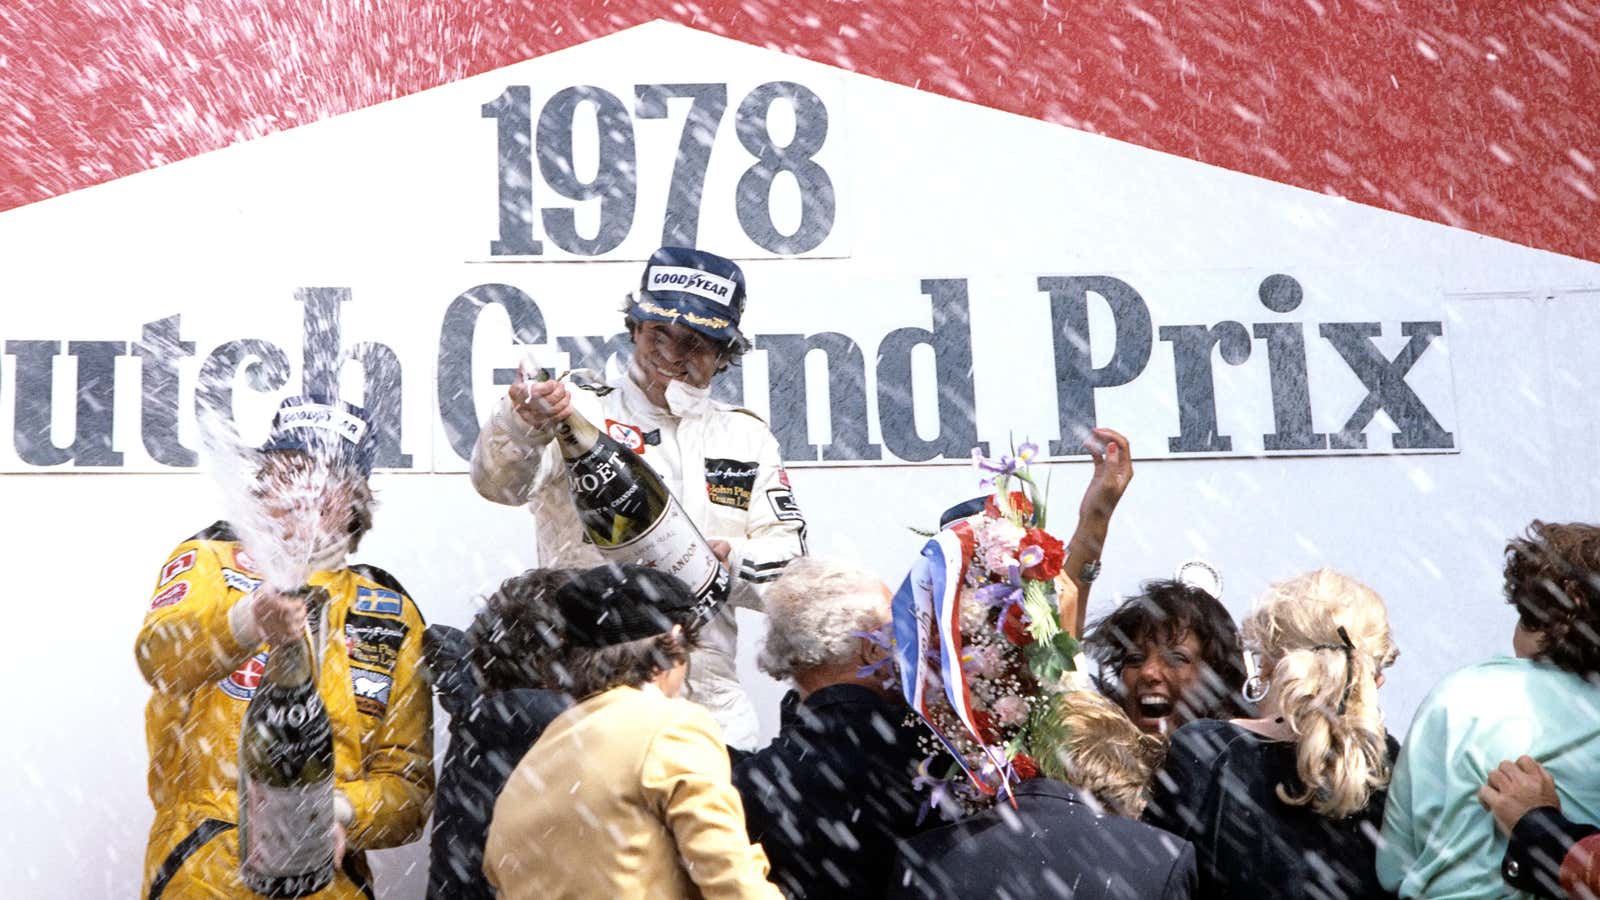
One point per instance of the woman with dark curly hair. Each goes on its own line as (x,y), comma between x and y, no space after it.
(1543,704)
(1172,654)
(492,682)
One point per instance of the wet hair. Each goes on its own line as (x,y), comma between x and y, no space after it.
(585,672)
(362,500)
(1328,694)
(814,613)
(361,507)
(1167,611)
(1095,747)
(1552,577)
(513,638)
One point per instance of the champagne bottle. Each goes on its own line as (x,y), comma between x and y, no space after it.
(286,816)
(631,516)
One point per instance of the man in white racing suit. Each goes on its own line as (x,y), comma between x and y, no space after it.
(721,461)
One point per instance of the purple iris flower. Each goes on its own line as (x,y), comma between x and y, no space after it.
(1005,594)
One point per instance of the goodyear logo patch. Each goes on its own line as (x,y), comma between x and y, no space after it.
(730,482)
(371,690)
(698,282)
(372,600)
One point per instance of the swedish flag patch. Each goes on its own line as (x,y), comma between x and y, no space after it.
(381,602)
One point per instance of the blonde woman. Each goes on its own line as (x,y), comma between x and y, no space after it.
(1287,805)
(1099,751)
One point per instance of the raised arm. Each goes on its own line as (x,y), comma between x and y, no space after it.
(197,630)
(1113,470)
(507,456)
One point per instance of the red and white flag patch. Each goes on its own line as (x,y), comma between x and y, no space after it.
(176,566)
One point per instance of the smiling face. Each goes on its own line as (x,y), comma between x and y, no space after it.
(664,353)
(1161,683)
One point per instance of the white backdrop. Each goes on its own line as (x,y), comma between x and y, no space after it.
(397,204)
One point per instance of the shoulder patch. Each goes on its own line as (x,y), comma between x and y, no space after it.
(171,595)
(176,566)
(239,581)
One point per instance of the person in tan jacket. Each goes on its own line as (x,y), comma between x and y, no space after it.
(627,794)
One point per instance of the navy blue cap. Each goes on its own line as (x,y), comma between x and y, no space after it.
(701,290)
(327,429)
(614,604)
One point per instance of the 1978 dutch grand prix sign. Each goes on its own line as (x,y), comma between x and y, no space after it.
(920,285)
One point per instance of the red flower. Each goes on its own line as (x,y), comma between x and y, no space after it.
(1055,553)
(1019,503)
(1012,627)
(985,725)
(1024,766)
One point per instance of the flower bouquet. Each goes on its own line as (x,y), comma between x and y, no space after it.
(978,646)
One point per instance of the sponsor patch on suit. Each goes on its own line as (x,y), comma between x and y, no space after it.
(241,685)
(170,596)
(729,482)
(371,690)
(372,641)
(176,566)
(784,505)
(240,581)
(379,601)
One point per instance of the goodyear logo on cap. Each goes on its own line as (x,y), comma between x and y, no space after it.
(327,418)
(703,284)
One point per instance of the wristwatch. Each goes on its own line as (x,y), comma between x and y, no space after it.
(1089,572)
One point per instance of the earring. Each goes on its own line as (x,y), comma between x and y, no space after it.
(1255,685)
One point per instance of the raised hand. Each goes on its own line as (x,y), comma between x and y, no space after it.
(1113,470)
(538,403)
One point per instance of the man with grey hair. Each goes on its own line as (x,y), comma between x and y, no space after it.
(829,797)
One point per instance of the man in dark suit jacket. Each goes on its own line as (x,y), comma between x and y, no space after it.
(1056,843)
(830,796)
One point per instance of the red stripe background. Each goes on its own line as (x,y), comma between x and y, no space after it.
(1479,115)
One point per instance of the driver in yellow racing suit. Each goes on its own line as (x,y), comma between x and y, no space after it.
(202,647)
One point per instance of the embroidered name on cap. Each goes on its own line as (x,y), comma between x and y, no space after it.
(690,281)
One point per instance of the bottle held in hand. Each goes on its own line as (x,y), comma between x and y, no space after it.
(630,515)
(286,810)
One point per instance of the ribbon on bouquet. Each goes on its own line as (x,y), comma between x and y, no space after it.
(928,606)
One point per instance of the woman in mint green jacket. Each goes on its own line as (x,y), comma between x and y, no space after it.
(1543,704)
